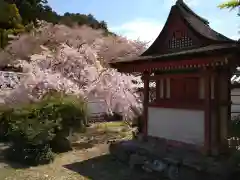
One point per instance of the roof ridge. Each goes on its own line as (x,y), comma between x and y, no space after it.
(181,4)
(196,21)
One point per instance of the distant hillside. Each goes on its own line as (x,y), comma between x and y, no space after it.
(70,19)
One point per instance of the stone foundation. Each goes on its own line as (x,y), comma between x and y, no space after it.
(175,163)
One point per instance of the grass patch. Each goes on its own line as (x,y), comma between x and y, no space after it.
(110,125)
(6,172)
(119,130)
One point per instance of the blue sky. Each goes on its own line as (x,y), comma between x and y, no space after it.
(144,19)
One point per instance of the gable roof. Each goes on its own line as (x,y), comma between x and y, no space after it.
(200,26)
(180,3)
(194,22)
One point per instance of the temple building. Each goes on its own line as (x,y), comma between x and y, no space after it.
(191,66)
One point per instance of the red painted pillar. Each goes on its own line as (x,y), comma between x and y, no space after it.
(164,88)
(158,94)
(207,118)
(216,120)
(145,101)
(229,100)
(226,102)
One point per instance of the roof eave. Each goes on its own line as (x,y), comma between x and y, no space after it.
(234,47)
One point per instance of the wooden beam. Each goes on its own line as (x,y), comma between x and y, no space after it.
(145,101)
(175,76)
(157,90)
(216,121)
(154,65)
(229,100)
(199,105)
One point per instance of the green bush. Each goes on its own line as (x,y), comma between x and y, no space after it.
(60,144)
(71,110)
(29,154)
(235,127)
(3,38)
(30,133)
(74,116)
(32,128)
(4,123)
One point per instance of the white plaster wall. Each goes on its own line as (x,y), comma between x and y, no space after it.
(177,124)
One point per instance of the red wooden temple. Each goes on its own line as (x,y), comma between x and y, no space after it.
(191,65)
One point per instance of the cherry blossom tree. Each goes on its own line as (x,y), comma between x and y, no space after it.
(73,61)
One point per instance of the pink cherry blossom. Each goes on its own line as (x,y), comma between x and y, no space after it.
(73,61)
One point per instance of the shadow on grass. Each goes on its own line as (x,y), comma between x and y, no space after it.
(106,168)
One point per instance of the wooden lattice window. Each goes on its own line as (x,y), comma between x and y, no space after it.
(180,40)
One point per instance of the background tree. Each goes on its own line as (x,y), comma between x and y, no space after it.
(103,25)
(10,17)
(29,10)
(10,21)
(233,4)
(49,15)
(32,10)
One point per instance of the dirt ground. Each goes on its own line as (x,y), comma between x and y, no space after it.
(89,160)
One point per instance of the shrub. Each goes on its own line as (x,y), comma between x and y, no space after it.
(74,116)
(4,123)
(60,144)
(71,110)
(234,160)
(30,134)
(29,154)
(34,127)
(235,127)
